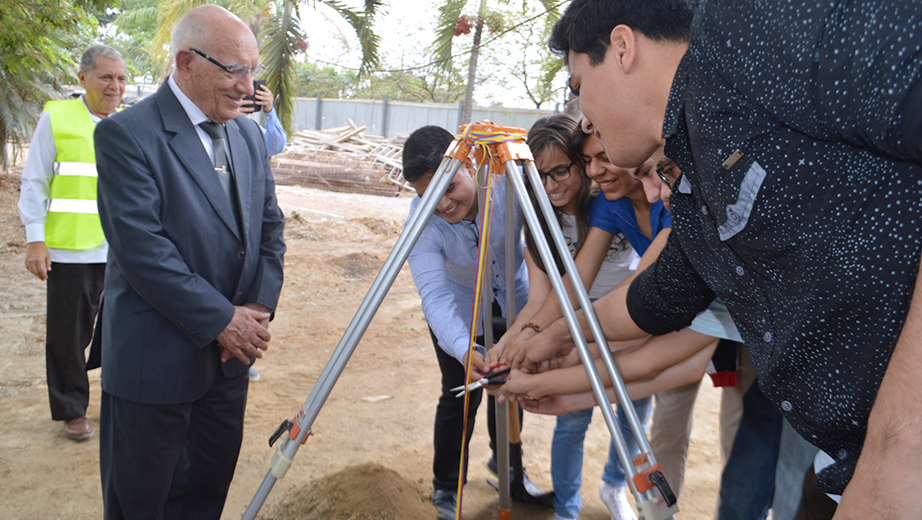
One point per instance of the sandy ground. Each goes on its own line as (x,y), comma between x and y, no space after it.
(336,245)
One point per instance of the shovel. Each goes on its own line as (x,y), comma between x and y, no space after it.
(520,490)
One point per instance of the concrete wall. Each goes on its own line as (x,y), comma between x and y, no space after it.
(389,118)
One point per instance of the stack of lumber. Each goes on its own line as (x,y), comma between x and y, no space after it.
(342,159)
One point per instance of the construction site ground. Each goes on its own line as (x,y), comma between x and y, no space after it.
(372,439)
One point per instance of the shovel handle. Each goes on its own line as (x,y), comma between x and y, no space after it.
(515,436)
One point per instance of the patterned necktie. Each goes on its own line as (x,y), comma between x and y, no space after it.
(221,163)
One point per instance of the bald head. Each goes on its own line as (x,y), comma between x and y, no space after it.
(215,55)
(209,26)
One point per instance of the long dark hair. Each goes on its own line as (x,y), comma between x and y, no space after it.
(558,131)
(619,242)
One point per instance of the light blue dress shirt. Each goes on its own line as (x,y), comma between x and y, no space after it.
(444,267)
(274,133)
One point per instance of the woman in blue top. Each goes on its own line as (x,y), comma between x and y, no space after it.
(622,211)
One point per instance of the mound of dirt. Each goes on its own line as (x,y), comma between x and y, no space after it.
(366,492)
(357,265)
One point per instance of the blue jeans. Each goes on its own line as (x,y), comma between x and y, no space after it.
(795,458)
(567,455)
(748,480)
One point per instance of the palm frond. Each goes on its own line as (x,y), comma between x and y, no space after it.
(445,32)
(362,25)
(140,17)
(169,12)
(279,37)
(249,10)
(553,11)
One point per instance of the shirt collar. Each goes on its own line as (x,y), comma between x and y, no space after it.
(96,118)
(675,108)
(195,113)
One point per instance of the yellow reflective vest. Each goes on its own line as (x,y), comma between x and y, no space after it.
(73,219)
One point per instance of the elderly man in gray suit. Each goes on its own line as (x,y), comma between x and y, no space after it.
(187,202)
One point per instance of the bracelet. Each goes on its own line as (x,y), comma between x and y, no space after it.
(531,325)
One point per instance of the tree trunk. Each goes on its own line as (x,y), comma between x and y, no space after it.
(468,106)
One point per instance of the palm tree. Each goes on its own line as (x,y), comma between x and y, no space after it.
(452,23)
(277,24)
(280,40)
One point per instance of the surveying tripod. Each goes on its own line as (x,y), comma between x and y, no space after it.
(494,157)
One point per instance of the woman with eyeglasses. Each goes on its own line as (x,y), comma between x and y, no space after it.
(563,163)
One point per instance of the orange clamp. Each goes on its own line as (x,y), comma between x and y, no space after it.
(642,479)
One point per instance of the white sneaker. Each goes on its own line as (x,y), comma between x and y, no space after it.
(616,501)
(254,375)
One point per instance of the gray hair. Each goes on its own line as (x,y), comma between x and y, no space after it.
(187,33)
(88,61)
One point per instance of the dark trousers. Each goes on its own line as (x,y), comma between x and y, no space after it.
(747,484)
(449,420)
(72,302)
(171,461)
(814,504)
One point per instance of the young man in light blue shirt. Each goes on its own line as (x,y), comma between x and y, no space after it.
(444,267)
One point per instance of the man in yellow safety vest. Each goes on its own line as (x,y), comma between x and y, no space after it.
(66,245)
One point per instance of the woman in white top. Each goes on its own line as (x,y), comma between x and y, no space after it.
(571,193)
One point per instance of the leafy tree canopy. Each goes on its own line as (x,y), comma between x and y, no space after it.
(40,43)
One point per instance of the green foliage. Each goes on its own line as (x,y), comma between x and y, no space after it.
(134,25)
(496,49)
(311,79)
(537,69)
(430,85)
(40,43)
(279,42)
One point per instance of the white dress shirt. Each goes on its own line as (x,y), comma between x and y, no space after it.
(33,194)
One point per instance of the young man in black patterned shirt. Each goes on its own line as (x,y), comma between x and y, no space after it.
(798,128)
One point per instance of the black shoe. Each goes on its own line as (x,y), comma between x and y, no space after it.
(446,504)
(529,486)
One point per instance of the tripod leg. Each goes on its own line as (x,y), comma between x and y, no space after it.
(286,451)
(648,494)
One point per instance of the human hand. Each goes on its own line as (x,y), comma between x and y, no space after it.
(520,386)
(514,346)
(38,260)
(246,334)
(478,366)
(493,356)
(264,98)
(548,405)
(260,308)
(543,350)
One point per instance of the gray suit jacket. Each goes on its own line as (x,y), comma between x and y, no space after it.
(178,261)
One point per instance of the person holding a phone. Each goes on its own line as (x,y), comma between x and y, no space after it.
(273,133)
(262,99)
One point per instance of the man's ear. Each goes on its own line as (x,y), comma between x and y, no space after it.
(181,60)
(624,44)
(82,77)
(469,164)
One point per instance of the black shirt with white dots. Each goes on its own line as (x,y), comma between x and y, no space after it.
(798,128)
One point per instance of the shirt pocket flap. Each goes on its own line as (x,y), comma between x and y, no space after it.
(738,213)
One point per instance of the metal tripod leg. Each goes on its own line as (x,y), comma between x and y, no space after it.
(287,449)
(656,501)
(502,411)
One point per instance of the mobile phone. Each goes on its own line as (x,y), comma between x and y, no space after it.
(252,106)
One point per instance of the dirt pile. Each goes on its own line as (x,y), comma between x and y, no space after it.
(366,492)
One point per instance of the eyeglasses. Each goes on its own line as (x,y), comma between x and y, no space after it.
(558,173)
(237,71)
(661,171)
